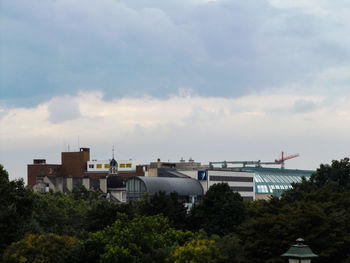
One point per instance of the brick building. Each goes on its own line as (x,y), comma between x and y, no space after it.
(72,172)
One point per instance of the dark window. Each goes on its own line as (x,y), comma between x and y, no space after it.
(230,178)
(247,198)
(242,188)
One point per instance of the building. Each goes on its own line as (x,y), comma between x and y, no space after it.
(256,182)
(181,165)
(76,170)
(239,181)
(274,181)
(189,190)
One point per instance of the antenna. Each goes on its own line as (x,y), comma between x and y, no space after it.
(78,143)
(113,152)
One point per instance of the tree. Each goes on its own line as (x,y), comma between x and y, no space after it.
(167,205)
(16,203)
(196,251)
(49,248)
(316,210)
(103,213)
(135,240)
(55,212)
(220,212)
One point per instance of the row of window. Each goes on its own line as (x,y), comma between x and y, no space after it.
(270,188)
(230,178)
(277,178)
(106,166)
(242,188)
(99,166)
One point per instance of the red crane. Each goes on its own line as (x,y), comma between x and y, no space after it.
(281,161)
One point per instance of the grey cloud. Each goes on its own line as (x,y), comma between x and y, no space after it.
(219,48)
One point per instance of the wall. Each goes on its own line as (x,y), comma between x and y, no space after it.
(241,182)
(75,163)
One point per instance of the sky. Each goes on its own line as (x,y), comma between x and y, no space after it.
(208,80)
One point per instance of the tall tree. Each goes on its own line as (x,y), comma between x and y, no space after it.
(167,205)
(16,204)
(220,212)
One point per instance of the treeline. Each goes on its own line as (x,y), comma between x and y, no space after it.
(84,227)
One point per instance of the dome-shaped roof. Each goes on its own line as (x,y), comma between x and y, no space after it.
(115,181)
(113,162)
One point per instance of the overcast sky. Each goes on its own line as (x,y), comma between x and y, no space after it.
(211,80)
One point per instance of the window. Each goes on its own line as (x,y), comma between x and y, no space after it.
(106,165)
(128,165)
(91,166)
(122,165)
(242,188)
(99,166)
(230,179)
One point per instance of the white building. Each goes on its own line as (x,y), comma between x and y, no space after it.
(239,181)
(103,165)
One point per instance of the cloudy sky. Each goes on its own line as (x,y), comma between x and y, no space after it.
(211,80)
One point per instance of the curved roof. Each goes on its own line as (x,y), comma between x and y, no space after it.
(183,186)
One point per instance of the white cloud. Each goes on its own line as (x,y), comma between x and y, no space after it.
(253,127)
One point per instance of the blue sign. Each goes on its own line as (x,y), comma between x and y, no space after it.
(202,176)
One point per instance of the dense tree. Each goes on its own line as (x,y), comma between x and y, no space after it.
(167,205)
(16,204)
(317,210)
(103,213)
(58,213)
(196,250)
(48,248)
(220,211)
(135,240)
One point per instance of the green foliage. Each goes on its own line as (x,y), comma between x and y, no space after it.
(16,204)
(58,213)
(229,248)
(196,251)
(47,248)
(167,205)
(316,210)
(103,213)
(134,240)
(220,212)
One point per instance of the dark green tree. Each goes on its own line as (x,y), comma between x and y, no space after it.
(16,204)
(220,212)
(55,212)
(316,210)
(167,205)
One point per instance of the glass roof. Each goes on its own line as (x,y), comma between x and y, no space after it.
(274,180)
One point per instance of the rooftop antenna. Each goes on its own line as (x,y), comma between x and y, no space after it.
(113,152)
